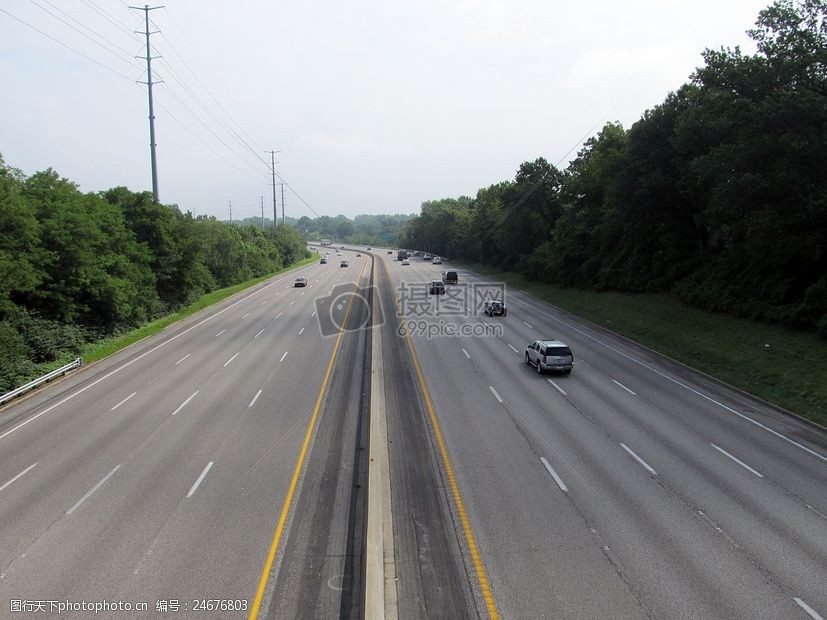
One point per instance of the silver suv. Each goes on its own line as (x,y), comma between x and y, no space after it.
(550,355)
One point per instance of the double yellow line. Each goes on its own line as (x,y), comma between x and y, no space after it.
(476,559)
(291,490)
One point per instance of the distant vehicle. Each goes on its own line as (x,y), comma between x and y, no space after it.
(343,263)
(495,307)
(368,249)
(342,247)
(436,288)
(300,281)
(390,251)
(416,253)
(437,260)
(450,277)
(426,257)
(358,255)
(401,255)
(406,262)
(550,355)
(323,261)
(325,241)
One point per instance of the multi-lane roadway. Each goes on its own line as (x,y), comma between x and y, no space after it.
(225,460)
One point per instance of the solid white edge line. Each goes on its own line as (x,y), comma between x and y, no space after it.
(494,392)
(183,358)
(18,476)
(676,382)
(527,325)
(737,460)
(123,401)
(231,359)
(513,349)
(200,478)
(624,387)
(135,359)
(810,611)
(259,333)
(557,387)
(283,356)
(182,405)
(92,490)
(554,475)
(466,353)
(255,398)
(312,315)
(639,460)
(301,331)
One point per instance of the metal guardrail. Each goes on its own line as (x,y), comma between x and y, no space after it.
(41,380)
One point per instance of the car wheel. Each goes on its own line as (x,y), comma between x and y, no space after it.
(505,312)
(539,368)
(567,372)
(527,361)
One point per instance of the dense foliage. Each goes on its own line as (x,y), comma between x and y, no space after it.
(76,266)
(718,194)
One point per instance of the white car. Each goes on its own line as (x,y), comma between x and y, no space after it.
(405,262)
(437,260)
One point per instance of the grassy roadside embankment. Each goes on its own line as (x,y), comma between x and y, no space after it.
(95,351)
(791,372)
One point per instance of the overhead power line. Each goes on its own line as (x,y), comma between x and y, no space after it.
(69,47)
(125,56)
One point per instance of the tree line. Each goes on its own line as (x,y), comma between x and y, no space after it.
(717,195)
(78,266)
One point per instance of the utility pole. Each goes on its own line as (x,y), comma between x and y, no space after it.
(282,202)
(231,211)
(146,9)
(262,212)
(273,171)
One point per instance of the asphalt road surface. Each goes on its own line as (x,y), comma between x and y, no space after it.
(225,460)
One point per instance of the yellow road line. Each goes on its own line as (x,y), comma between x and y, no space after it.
(479,567)
(285,509)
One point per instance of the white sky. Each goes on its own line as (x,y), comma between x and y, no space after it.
(375,105)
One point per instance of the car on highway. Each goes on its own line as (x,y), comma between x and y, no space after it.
(426,257)
(437,260)
(323,261)
(549,355)
(390,251)
(368,249)
(358,255)
(343,263)
(406,262)
(450,277)
(495,307)
(436,288)
(300,281)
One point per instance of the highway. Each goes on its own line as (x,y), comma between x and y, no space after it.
(160,473)
(634,487)
(225,459)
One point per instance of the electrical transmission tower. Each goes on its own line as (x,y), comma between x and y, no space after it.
(273,171)
(146,9)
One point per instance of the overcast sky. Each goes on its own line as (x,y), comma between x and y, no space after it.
(376,105)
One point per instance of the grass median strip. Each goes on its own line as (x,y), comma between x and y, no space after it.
(777,364)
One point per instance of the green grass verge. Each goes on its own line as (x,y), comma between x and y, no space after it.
(791,372)
(97,350)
